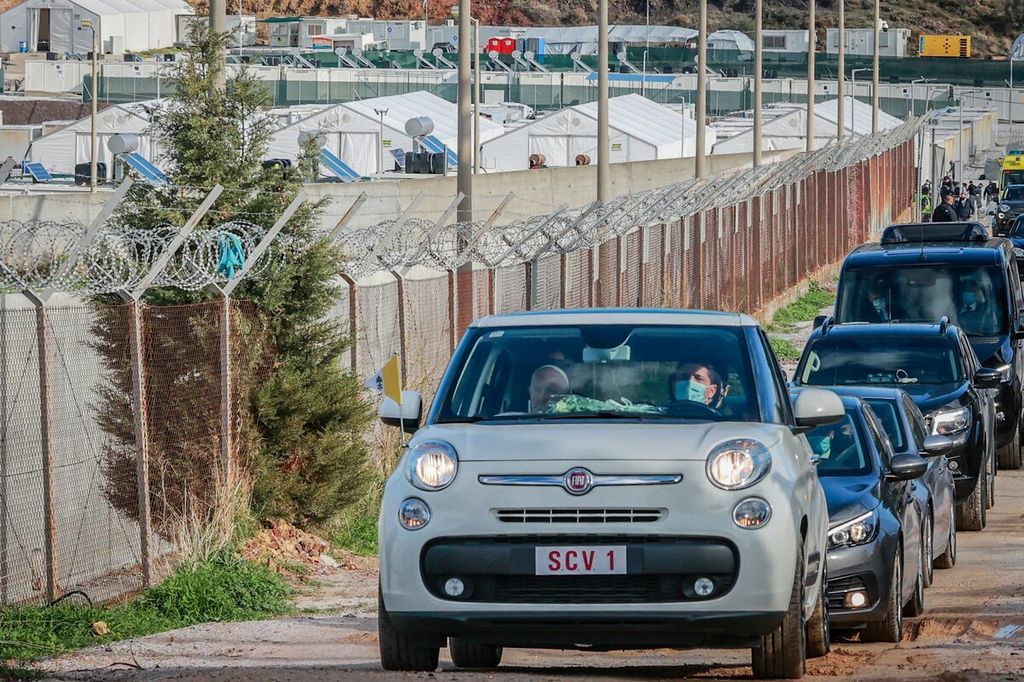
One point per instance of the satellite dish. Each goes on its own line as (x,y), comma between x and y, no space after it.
(493,54)
(123,143)
(576,56)
(418,52)
(341,51)
(516,54)
(437,52)
(621,56)
(420,126)
(307,136)
(528,54)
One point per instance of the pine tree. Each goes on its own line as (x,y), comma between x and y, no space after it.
(303,423)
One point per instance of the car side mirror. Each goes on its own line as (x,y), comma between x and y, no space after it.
(816,406)
(936,445)
(405,416)
(987,377)
(819,320)
(991,211)
(906,468)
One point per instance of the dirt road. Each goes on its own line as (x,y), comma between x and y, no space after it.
(973,630)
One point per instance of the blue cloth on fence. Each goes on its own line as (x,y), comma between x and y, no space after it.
(232,255)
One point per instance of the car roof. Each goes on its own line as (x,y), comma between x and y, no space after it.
(868,392)
(592,316)
(849,401)
(989,252)
(886,329)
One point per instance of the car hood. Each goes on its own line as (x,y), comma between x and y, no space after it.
(583,441)
(928,397)
(992,351)
(849,496)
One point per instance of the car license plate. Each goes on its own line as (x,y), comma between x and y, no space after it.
(602,560)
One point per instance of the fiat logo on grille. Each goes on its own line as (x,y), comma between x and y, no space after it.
(578,481)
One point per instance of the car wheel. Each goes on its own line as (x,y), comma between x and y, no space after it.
(470,655)
(948,558)
(890,629)
(399,652)
(970,514)
(1010,455)
(819,632)
(915,607)
(927,546)
(782,653)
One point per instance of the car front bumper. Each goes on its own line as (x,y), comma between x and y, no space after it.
(868,568)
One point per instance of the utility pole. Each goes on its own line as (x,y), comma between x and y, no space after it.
(476,96)
(810,77)
(93,140)
(700,162)
(603,143)
(758,70)
(874,70)
(380,143)
(841,110)
(464,182)
(218,20)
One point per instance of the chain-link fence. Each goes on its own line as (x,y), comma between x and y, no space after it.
(734,242)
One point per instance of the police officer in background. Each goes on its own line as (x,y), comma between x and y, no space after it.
(944,212)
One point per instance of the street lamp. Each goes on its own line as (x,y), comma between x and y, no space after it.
(380,147)
(853,104)
(87,23)
(922,79)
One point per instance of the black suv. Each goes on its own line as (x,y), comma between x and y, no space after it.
(919,273)
(937,367)
(1011,205)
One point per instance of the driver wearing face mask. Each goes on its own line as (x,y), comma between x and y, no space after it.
(698,382)
(879,299)
(971,315)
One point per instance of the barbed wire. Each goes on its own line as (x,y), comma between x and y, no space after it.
(391,244)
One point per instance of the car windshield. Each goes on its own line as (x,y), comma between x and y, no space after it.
(1014,193)
(973,297)
(1017,230)
(840,449)
(888,360)
(602,372)
(885,410)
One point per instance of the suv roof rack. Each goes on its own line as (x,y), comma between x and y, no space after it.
(943,324)
(920,233)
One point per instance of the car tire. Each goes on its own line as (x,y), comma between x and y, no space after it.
(915,607)
(890,629)
(948,558)
(471,655)
(782,653)
(970,514)
(399,652)
(819,627)
(927,546)
(1010,454)
(990,488)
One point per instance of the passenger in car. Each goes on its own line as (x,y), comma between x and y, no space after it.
(698,382)
(546,382)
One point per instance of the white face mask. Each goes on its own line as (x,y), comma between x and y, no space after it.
(879,304)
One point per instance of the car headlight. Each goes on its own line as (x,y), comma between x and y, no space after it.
(1006,371)
(738,463)
(950,420)
(432,465)
(858,531)
(1004,207)
(1018,252)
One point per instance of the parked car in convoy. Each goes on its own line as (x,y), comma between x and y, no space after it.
(934,492)
(608,479)
(919,273)
(876,557)
(936,365)
(1011,205)
(1016,237)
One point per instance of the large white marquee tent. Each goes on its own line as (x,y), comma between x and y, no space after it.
(56,25)
(61,150)
(640,130)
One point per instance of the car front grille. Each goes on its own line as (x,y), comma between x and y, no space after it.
(589,589)
(619,515)
(838,588)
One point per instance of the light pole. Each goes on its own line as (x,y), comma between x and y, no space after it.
(853,104)
(380,147)
(464,182)
(810,76)
(758,56)
(647,49)
(700,160)
(218,17)
(87,23)
(476,96)
(841,104)
(913,108)
(874,70)
(603,143)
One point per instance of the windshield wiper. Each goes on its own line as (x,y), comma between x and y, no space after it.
(600,414)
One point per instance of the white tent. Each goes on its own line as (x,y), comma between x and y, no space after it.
(730,40)
(640,130)
(61,150)
(56,25)
(353,130)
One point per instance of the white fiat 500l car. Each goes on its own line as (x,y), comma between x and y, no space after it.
(606,479)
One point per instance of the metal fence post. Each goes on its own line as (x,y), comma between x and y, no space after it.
(353,312)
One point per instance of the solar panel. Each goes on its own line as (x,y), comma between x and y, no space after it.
(436,146)
(38,172)
(147,170)
(399,155)
(337,166)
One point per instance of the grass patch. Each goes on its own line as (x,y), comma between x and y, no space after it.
(358,533)
(784,349)
(223,588)
(804,309)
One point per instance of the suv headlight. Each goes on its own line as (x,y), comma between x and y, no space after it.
(858,531)
(738,463)
(1004,207)
(950,420)
(432,465)
(1018,252)
(1006,370)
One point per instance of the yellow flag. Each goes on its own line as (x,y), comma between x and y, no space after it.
(392,380)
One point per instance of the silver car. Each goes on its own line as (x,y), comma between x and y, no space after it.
(606,479)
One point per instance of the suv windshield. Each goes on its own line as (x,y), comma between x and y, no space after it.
(603,371)
(1014,193)
(839,448)
(974,297)
(887,360)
